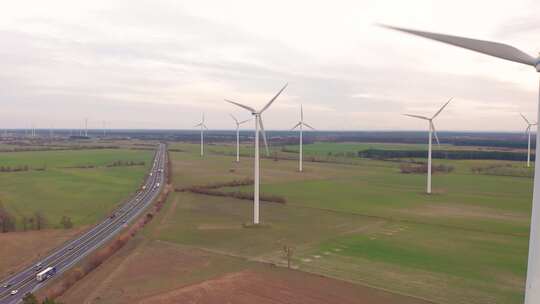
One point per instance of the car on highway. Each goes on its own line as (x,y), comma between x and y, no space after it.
(14,292)
(38,266)
(7,285)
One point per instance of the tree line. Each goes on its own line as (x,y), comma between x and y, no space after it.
(212,189)
(444,154)
(125,163)
(38,221)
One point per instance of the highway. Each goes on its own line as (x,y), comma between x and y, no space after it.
(76,249)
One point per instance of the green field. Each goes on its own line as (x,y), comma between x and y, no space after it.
(365,222)
(64,189)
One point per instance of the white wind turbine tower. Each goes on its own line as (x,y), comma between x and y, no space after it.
(258,123)
(86,127)
(504,51)
(528,131)
(432,132)
(203,126)
(238,123)
(300,125)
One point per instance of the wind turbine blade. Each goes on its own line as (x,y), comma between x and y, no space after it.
(272,100)
(264,136)
(198,125)
(494,49)
(244,121)
(202,117)
(301,113)
(242,106)
(435,133)
(524,118)
(296,126)
(204,126)
(528,129)
(442,108)
(234,118)
(417,116)
(307,125)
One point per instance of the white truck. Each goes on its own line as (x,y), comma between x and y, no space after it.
(45,274)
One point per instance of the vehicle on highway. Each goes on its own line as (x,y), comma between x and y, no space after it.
(7,285)
(14,292)
(45,274)
(38,266)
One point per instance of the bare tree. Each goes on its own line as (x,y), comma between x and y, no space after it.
(40,220)
(66,222)
(7,221)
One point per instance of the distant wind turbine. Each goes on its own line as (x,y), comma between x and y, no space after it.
(300,125)
(238,123)
(432,132)
(258,123)
(528,131)
(203,126)
(507,52)
(86,127)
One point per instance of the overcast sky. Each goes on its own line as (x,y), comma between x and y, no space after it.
(160,64)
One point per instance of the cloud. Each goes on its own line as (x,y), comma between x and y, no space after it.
(153,64)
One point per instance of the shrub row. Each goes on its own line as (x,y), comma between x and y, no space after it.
(503,170)
(415,168)
(125,163)
(212,189)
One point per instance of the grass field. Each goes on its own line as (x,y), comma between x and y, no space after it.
(63,189)
(366,222)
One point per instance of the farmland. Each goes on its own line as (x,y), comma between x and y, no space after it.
(360,221)
(78,184)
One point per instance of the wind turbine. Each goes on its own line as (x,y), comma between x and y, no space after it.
(432,132)
(504,51)
(203,126)
(528,131)
(238,123)
(300,125)
(258,123)
(86,127)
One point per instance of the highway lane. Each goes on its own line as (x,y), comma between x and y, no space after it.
(73,251)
